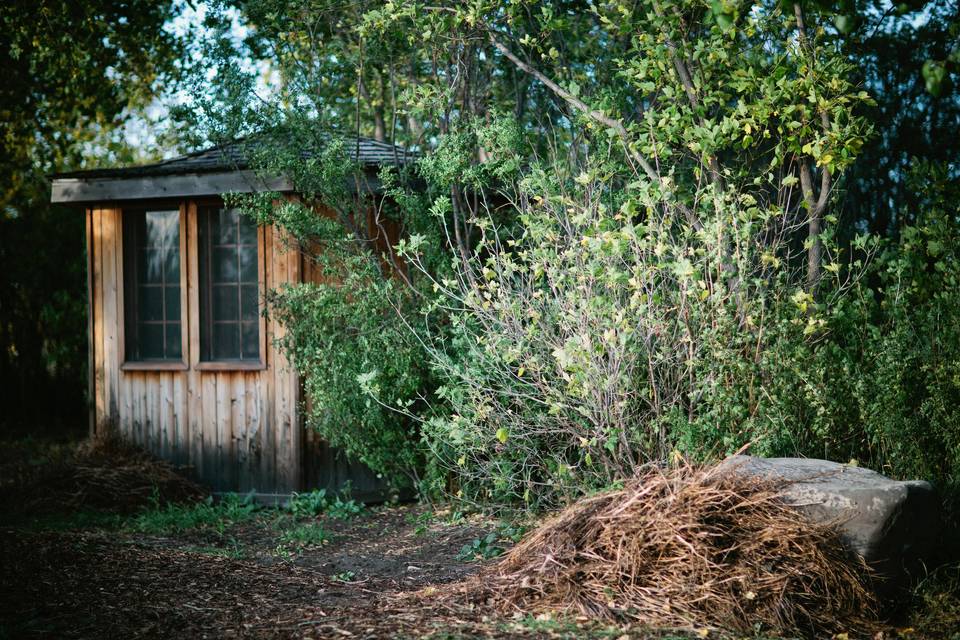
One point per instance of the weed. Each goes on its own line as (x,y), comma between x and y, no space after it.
(936,606)
(309,504)
(234,551)
(481,548)
(345,576)
(421,520)
(318,502)
(207,515)
(490,545)
(304,535)
(561,628)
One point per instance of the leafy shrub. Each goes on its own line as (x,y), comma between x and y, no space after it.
(317,502)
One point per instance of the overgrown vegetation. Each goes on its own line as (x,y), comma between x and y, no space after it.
(623,239)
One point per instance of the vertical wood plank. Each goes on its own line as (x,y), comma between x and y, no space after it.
(208,428)
(100,400)
(268,457)
(181,418)
(224,432)
(286,267)
(281,393)
(251,403)
(240,445)
(195,408)
(151,400)
(110,312)
(180,438)
(167,436)
(91,335)
(126,403)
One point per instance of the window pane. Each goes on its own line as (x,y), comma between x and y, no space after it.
(226,341)
(226,226)
(229,290)
(173,340)
(171,301)
(251,339)
(248,263)
(151,341)
(224,264)
(225,303)
(249,309)
(151,286)
(151,304)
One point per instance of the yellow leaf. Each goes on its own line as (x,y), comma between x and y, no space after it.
(502,435)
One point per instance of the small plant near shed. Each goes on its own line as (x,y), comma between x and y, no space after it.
(345,576)
(206,515)
(303,536)
(318,502)
(421,520)
(492,544)
(233,550)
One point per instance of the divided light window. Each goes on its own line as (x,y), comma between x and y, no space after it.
(151,286)
(229,290)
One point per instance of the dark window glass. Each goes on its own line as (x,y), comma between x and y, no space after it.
(151,285)
(229,290)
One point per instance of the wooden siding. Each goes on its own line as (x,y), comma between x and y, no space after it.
(234,429)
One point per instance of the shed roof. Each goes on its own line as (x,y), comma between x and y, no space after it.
(220,169)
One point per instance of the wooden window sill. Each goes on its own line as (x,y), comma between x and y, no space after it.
(230,366)
(154,366)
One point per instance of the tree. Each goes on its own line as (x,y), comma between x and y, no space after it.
(73,73)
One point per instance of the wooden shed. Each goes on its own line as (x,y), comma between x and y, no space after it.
(181,357)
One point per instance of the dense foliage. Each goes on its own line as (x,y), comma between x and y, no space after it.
(74,72)
(631,232)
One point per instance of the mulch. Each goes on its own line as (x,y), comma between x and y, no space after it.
(108,584)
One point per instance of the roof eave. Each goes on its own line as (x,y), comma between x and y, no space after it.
(79,190)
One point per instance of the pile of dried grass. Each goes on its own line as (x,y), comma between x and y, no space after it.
(105,473)
(687,548)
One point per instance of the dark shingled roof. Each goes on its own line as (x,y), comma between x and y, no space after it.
(230,157)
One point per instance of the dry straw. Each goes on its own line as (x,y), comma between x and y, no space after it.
(687,548)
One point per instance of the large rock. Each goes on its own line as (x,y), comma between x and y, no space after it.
(893,525)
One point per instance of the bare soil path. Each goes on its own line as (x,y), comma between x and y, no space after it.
(114,584)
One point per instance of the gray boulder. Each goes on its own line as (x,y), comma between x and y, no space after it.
(893,525)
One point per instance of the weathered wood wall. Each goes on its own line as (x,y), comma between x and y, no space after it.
(238,430)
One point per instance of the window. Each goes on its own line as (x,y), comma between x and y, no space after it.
(229,290)
(151,286)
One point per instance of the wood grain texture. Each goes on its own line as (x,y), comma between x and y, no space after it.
(235,429)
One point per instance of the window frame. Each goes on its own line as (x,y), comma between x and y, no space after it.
(195,287)
(121,287)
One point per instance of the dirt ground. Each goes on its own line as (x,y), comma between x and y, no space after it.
(381,575)
(73,567)
(96,583)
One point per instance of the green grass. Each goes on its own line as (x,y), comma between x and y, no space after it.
(304,535)
(936,605)
(233,551)
(208,515)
